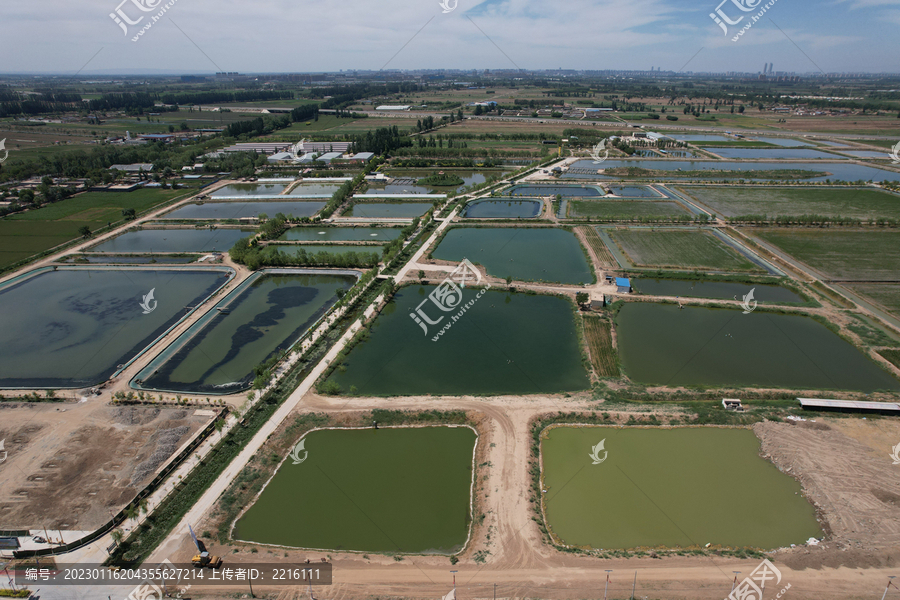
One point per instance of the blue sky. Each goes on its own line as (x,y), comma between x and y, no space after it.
(303,35)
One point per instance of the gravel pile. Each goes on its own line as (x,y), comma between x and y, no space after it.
(166,444)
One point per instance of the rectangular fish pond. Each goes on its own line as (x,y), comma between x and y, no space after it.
(503,209)
(662,344)
(387,210)
(625,209)
(73,327)
(504,343)
(173,240)
(243,210)
(237,190)
(268,313)
(523,253)
(404,489)
(340,234)
(669,488)
(566,191)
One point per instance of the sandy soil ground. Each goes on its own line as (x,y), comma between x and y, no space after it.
(73,466)
(843,464)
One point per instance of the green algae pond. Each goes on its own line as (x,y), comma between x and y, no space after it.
(73,327)
(523,253)
(403,489)
(672,488)
(263,316)
(662,344)
(506,343)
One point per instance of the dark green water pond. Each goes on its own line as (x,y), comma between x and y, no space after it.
(504,344)
(218,353)
(525,254)
(661,344)
(173,240)
(251,189)
(503,209)
(72,327)
(340,234)
(633,191)
(566,191)
(714,289)
(670,487)
(387,490)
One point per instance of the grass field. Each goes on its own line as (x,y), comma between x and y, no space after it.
(885,294)
(606,258)
(26,234)
(691,249)
(893,356)
(623,210)
(779,201)
(859,255)
(598,333)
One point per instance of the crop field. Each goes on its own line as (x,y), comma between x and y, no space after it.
(634,209)
(885,294)
(606,258)
(858,255)
(775,201)
(692,249)
(26,234)
(603,354)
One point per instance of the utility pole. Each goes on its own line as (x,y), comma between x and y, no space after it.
(633,584)
(734,583)
(495,592)
(890,583)
(608,571)
(454,583)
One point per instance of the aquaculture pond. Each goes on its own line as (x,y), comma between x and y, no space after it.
(701,138)
(504,343)
(846,171)
(332,249)
(783,142)
(127,260)
(867,154)
(243,210)
(340,234)
(727,290)
(566,191)
(387,210)
(503,209)
(371,490)
(313,189)
(773,153)
(217,355)
(173,240)
(250,189)
(73,327)
(525,254)
(625,209)
(662,344)
(468,177)
(669,487)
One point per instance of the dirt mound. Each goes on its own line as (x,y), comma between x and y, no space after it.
(135,415)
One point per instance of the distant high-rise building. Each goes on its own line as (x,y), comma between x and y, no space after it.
(772,68)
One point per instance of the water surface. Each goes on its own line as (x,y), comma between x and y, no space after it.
(384,490)
(73,327)
(173,240)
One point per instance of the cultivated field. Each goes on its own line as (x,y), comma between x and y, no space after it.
(29,233)
(689,249)
(600,344)
(857,255)
(601,252)
(864,204)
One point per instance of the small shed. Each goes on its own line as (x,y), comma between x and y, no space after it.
(623,285)
(732,404)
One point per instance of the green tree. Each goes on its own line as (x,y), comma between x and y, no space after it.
(84,231)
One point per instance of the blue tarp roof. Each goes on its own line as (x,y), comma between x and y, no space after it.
(623,282)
